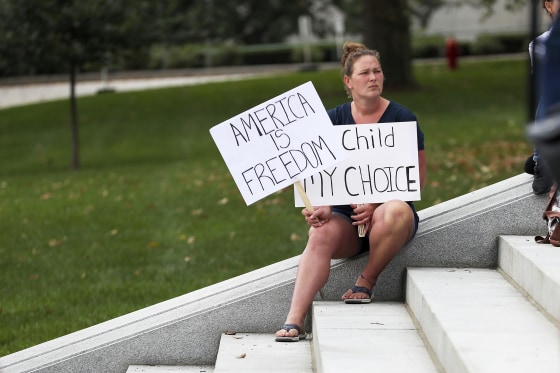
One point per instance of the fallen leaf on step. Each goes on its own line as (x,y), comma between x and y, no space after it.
(228,332)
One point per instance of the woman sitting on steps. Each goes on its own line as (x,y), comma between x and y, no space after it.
(333,231)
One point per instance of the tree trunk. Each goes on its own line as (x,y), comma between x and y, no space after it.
(74,119)
(386,28)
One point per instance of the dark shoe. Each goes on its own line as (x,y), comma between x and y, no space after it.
(541,181)
(529,167)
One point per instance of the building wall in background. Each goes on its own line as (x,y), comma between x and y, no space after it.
(466,23)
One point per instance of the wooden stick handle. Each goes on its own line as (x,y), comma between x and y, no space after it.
(361,227)
(304,197)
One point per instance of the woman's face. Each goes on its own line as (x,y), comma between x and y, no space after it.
(553,8)
(367,77)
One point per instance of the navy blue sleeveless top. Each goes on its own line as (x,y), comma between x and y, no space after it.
(395,112)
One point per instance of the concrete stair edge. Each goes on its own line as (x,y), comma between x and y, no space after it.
(259,352)
(528,263)
(367,337)
(170,369)
(535,268)
(502,331)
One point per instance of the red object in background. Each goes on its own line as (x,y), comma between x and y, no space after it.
(451,53)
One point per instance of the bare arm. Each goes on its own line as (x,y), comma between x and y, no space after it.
(422,167)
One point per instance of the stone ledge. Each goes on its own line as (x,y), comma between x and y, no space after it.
(186,330)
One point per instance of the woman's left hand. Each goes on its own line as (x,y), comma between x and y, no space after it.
(363,214)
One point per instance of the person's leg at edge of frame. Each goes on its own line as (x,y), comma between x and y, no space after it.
(550,87)
(541,178)
(550,79)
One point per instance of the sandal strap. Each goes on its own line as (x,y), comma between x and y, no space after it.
(361,289)
(288,327)
(366,279)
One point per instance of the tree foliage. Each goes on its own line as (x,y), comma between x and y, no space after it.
(39,35)
(36,35)
(246,21)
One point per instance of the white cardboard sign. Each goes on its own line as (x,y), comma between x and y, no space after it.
(278,142)
(381,165)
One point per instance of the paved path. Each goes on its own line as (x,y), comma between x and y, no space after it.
(14,95)
(16,92)
(22,94)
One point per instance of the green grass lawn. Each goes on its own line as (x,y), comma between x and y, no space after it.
(153,212)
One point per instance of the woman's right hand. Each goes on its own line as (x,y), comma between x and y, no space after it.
(318,217)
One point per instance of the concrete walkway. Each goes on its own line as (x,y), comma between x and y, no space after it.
(16,92)
(24,91)
(15,95)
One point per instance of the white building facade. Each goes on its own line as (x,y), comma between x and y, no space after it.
(465,22)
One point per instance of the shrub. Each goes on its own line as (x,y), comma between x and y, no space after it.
(487,44)
(500,43)
(428,46)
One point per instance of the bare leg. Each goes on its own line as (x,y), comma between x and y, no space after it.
(336,239)
(392,227)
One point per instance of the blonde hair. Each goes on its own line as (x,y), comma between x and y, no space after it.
(351,51)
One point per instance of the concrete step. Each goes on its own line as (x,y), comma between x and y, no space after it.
(169,369)
(258,353)
(375,337)
(248,353)
(477,321)
(535,268)
(474,320)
